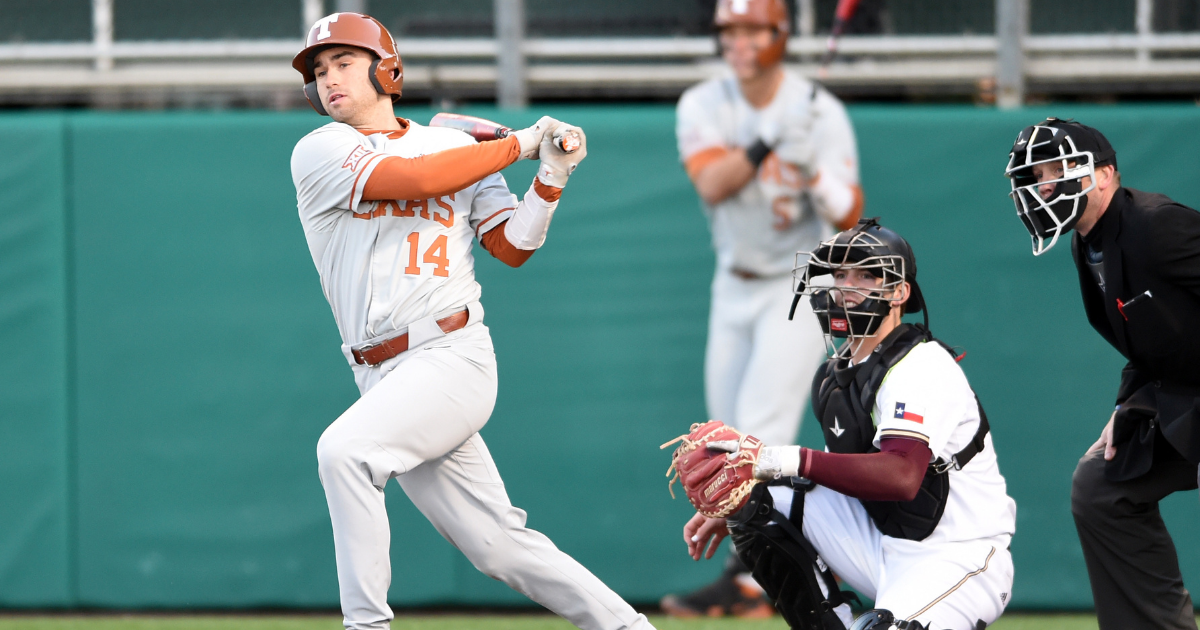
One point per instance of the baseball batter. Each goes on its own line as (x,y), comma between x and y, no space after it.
(390,210)
(908,507)
(773,158)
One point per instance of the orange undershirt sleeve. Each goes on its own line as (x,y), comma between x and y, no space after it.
(696,163)
(499,246)
(440,173)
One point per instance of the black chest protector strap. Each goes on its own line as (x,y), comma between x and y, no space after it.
(963,457)
(844,396)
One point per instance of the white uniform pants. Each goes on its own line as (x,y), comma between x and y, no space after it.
(418,420)
(758,366)
(944,585)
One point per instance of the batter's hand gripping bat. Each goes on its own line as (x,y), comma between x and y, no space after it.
(482,130)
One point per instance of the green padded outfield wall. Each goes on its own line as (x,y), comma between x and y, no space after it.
(169,360)
(36,443)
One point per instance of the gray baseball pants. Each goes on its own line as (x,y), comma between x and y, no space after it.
(418,421)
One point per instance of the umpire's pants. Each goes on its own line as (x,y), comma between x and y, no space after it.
(1131,559)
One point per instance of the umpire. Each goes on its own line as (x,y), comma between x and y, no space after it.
(1138,256)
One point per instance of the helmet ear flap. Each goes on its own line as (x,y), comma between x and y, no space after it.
(314,97)
(774,53)
(372,73)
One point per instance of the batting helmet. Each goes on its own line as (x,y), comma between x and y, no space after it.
(867,246)
(351,29)
(1055,144)
(770,13)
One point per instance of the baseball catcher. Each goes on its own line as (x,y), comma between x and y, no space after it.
(906,504)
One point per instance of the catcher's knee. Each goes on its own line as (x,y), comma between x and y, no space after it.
(784,563)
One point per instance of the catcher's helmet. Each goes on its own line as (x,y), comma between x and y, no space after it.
(351,29)
(867,246)
(1076,149)
(772,13)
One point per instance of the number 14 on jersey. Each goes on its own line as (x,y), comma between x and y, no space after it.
(435,254)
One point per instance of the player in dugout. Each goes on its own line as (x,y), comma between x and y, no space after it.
(774,160)
(907,504)
(1138,259)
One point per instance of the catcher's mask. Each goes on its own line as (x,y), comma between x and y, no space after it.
(852,312)
(1053,206)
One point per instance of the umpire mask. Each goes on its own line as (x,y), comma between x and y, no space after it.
(847,311)
(1063,152)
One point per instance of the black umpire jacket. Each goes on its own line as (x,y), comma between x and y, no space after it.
(1151,248)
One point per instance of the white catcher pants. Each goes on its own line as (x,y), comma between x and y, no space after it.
(758,366)
(944,585)
(418,421)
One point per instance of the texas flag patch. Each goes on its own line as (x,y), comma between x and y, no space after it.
(910,413)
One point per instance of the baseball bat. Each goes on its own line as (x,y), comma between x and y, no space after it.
(483,130)
(845,11)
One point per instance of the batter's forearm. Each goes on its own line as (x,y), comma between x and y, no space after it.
(498,245)
(441,173)
(530,221)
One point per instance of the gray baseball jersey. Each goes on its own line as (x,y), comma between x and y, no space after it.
(747,234)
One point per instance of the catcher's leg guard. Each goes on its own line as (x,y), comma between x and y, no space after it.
(784,563)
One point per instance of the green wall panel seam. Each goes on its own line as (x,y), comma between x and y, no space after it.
(72,442)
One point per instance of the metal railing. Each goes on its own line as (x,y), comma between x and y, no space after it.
(628,66)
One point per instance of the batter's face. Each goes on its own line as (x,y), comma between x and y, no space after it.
(740,45)
(343,83)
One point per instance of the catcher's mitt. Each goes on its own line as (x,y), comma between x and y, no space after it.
(715,464)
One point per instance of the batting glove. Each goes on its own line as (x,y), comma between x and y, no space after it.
(530,138)
(557,164)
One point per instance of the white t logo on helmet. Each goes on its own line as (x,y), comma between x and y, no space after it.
(740,6)
(323,25)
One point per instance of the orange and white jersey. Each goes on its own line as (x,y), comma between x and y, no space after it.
(385,264)
(760,228)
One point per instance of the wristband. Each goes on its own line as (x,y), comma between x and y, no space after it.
(775,462)
(758,152)
(526,228)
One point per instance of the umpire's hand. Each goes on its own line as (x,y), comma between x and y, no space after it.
(1105,441)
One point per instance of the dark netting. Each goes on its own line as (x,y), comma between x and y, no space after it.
(70,20)
(205,19)
(550,18)
(46,20)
